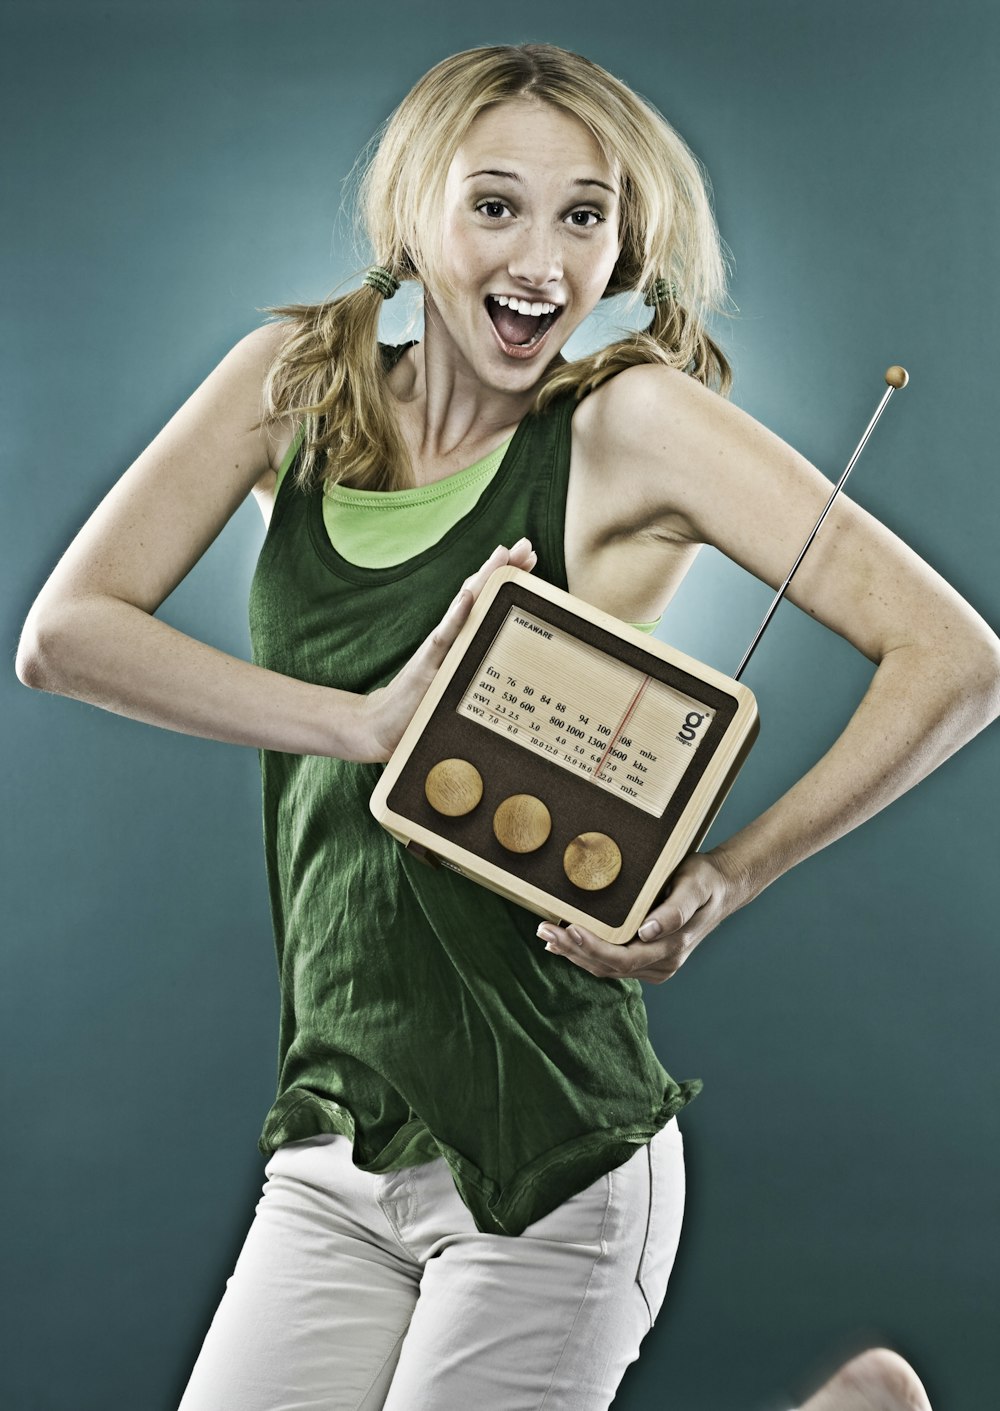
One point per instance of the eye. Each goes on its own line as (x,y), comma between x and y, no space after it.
(586,220)
(494,209)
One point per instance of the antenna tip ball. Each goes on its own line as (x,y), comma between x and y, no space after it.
(897,377)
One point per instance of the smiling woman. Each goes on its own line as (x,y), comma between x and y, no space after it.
(475,1177)
(528,173)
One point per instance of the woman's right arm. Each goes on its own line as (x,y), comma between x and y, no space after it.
(91,633)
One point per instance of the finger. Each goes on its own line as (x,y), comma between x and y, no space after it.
(498,559)
(690,889)
(558,941)
(522,555)
(475,581)
(435,648)
(607,962)
(585,949)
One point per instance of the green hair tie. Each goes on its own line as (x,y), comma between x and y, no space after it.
(660,292)
(378,277)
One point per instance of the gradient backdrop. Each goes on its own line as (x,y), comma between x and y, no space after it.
(171,168)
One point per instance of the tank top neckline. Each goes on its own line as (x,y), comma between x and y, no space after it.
(353,573)
(448,485)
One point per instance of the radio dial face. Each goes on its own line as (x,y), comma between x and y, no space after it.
(586,711)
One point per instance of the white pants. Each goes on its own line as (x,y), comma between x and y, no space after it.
(361,1292)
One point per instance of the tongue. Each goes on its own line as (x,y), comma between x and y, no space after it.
(514,327)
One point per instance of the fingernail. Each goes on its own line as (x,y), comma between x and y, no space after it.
(523,540)
(574,935)
(552,948)
(650,930)
(545,933)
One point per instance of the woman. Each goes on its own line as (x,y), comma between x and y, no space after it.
(476,1180)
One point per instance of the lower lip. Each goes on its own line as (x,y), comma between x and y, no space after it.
(523,351)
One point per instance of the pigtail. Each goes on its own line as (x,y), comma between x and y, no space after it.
(686,342)
(673,338)
(329,375)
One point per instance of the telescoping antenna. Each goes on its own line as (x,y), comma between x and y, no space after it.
(897,378)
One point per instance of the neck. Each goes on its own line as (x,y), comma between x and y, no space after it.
(444,406)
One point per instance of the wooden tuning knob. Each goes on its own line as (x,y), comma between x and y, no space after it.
(522,823)
(453,787)
(592,861)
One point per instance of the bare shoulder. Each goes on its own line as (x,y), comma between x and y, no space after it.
(642,410)
(216,441)
(686,462)
(264,343)
(218,431)
(679,450)
(252,359)
(640,435)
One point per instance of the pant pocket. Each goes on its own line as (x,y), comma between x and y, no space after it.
(665,1162)
(580,1220)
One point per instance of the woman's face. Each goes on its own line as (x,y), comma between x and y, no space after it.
(531,215)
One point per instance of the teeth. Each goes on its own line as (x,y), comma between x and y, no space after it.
(522,306)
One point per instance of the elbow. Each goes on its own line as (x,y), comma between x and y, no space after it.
(27,665)
(31,660)
(41,649)
(955,678)
(977,679)
(990,680)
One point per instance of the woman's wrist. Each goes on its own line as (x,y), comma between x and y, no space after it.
(357,730)
(744,870)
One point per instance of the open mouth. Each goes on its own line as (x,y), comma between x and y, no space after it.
(519,325)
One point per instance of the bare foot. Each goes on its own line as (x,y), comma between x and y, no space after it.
(876,1380)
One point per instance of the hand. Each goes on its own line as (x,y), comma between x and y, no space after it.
(704,890)
(390,709)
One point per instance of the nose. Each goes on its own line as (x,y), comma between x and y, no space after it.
(536,260)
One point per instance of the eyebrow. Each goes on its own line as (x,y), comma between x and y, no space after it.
(513,176)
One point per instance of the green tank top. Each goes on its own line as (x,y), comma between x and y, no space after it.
(420,1014)
(381,528)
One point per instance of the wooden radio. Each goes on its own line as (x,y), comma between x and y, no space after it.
(564,759)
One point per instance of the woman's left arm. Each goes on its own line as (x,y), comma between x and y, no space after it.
(700,469)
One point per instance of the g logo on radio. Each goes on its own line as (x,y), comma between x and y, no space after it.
(686,734)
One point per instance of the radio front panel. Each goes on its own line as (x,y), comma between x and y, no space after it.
(563,759)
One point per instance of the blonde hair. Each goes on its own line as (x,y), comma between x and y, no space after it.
(329,372)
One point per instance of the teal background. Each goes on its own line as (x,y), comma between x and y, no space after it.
(172,167)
